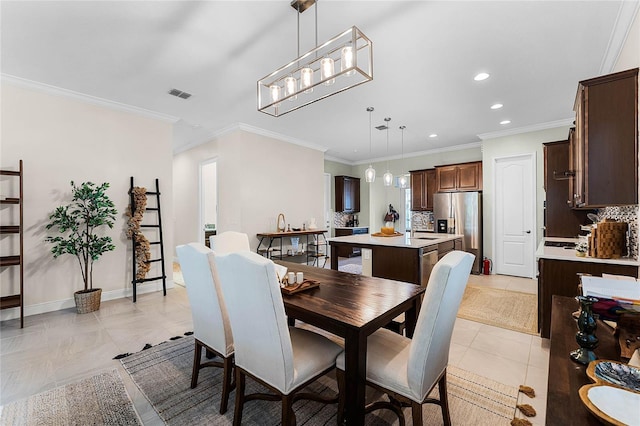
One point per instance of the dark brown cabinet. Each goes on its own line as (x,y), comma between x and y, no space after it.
(560,277)
(348,251)
(459,177)
(560,219)
(347,194)
(604,148)
(423,186)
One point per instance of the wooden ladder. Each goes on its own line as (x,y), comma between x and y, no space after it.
(159,241)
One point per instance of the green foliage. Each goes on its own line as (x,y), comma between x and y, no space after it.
(77,223)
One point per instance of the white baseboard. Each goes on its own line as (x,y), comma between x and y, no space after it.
(57,305)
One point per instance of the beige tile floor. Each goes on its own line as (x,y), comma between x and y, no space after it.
(62,347)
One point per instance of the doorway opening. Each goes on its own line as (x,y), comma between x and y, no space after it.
(208,200)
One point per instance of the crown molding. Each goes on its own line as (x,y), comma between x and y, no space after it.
(527,129)
(626,14)
(281,137)
(339,160)
(421,153)
(58,91)
(250,129)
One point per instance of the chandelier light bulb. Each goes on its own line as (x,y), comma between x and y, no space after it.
(275,90)
(387,178)
(290,86)
(346,60)
(306,79)
(370,174)
(327,70)
(403,182)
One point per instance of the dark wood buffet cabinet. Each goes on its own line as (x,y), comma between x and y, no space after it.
(561,278)
(604,146)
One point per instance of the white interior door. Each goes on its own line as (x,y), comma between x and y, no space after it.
(515,238)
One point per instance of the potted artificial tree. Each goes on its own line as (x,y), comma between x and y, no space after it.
(77,222)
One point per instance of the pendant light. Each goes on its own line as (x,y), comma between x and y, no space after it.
(387,178)
(370,173)
(403,180)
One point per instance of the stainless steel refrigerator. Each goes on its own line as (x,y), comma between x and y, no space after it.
(462,212)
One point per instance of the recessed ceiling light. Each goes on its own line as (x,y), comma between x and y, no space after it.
(433,135)
(496,106)
(505,122)
(481,76)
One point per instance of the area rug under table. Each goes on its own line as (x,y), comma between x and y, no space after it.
(97,400)
(512,310)
(163,374)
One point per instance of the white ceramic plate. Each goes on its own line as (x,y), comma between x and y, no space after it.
(616,403)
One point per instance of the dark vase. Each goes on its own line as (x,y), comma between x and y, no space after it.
(586,337)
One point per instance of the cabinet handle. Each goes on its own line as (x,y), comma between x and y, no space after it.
(528,232)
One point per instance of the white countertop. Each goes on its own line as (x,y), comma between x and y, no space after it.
(560,253)
(403,241)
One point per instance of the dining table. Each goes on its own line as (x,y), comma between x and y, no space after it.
(352,306)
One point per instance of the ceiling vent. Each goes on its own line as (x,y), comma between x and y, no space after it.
(180,93)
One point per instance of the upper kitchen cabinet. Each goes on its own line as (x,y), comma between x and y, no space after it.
(560,220)
(459,177)
(604,148)
(347,194)
(423,186)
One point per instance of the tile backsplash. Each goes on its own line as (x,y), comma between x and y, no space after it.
(422,221)
(627,214)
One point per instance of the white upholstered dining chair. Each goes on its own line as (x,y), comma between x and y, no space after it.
(284,359)
(229,242)
(408,369)
(211,327)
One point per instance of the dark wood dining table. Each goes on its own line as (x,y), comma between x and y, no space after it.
(352,306)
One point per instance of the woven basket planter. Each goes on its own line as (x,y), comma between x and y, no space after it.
(87,300)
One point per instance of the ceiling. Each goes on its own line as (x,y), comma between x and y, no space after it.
(425,57)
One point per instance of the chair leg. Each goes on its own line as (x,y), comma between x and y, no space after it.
(240,382)
(416,413)
(340,378)
(226,383)
(197,356)
(288,417)
(444,401)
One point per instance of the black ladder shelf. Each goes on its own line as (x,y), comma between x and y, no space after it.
(159,242)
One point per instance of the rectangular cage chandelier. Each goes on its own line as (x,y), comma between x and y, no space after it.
(343,62)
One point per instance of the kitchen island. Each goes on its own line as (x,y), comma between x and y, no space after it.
(559,271)
(400,258)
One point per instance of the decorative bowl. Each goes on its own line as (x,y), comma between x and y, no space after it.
(615,373)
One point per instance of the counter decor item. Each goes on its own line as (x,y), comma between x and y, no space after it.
(312,223)
(615,373)
(585,337)
(581,249)
(280,223)
(628,333)
(611,405)
(77,224)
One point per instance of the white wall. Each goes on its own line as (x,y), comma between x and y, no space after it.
(523,143)
(62,139)
(258,178)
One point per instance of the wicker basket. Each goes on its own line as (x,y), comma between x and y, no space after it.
(611,239)
(87,300)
